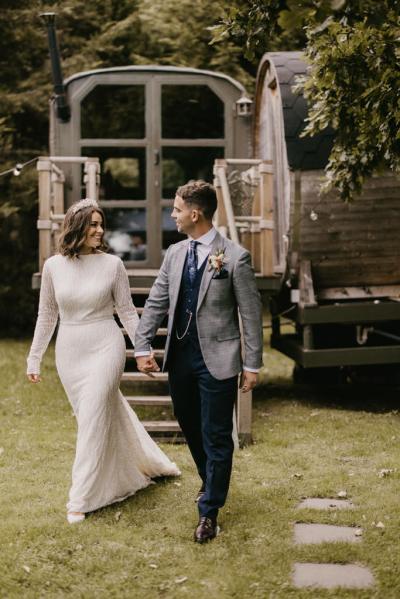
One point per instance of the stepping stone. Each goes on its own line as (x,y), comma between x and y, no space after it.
(328,576)
(318,503)
(325,533)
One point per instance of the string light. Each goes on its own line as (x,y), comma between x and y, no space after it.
(16,170)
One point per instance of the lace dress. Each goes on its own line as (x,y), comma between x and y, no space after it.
(115,456)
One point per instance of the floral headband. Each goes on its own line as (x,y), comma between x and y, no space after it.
(84,204)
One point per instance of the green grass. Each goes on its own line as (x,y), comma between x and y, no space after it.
(308,442)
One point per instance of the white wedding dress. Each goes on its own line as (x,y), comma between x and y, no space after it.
(115,456)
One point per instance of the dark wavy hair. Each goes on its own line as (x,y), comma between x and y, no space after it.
(75,228)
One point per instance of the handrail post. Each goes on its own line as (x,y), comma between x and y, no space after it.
(220,172)
(92,178)
(58,180)
(44,221)
(267,222)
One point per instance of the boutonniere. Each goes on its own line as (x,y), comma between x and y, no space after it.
(216,261)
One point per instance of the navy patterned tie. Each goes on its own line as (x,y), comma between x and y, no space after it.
(192,260)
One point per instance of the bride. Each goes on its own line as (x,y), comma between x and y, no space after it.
(115,456)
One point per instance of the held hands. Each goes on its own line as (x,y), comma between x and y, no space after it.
(248,380)
(34,378)
(147,364)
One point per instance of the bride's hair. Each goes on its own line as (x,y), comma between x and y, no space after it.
(74,230)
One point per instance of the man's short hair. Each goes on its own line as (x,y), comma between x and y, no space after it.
(200,194)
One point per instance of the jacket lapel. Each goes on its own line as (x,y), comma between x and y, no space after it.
(217,244)
(176,275)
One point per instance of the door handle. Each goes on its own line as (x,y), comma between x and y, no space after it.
(156,157)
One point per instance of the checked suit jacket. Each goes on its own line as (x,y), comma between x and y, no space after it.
(220,300)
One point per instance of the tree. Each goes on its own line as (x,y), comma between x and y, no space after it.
(353,47)
(96,34)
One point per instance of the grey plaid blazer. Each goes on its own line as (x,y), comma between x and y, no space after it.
(220,299)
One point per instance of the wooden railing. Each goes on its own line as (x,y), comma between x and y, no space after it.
(51,197)
(253,231)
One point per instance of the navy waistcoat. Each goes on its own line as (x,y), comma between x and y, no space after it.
(187,302)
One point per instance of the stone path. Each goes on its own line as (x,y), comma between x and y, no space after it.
(325,533)
(328,575)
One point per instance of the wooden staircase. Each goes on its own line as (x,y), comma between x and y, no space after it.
(150,392)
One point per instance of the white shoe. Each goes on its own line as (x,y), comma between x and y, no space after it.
(75,518)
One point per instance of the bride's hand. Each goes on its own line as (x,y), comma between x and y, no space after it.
(34,378)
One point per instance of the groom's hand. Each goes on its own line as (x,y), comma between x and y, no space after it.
(147,364)
(248,381)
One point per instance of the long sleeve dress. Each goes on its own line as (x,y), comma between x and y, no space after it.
(115,456)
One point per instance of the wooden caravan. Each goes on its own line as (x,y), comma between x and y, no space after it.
(152,129)
(341,261)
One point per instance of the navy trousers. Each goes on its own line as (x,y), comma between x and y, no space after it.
(203,406)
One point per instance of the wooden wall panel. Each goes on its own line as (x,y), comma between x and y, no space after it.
(348,244)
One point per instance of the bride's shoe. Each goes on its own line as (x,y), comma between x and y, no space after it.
(75,518)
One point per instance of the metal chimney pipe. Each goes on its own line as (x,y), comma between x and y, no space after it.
(63,109)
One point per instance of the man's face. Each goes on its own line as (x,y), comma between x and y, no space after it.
(185,216)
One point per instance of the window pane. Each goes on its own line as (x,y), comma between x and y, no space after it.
(123,172)
(114,111)
(191,112)
(126,232)
(179,165)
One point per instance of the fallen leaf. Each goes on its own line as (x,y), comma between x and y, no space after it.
(153,566)
(385,472)
(177,484)
(342,494)
(379,525)
(26,568)
(297,475)
(118,516)
(358,532)
(181,579)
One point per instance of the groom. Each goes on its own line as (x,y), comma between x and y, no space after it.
(203,283)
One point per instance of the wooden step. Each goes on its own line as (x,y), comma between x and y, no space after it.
(136,377)
(162,332)
(161,426)
(158,353)
(149,400)
(173,438)
(139,290)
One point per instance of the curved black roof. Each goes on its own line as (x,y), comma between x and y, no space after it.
(304,153)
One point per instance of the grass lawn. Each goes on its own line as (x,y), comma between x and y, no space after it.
(308,442)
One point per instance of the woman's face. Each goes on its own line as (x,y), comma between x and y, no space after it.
(94,233)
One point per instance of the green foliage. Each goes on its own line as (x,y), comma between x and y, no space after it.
(354,52)
(100,33)
(353,85)
(260,26)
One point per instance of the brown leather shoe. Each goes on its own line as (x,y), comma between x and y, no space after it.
(206,530)
(200,492)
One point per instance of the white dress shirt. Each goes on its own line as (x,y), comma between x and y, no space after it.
(203,250)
